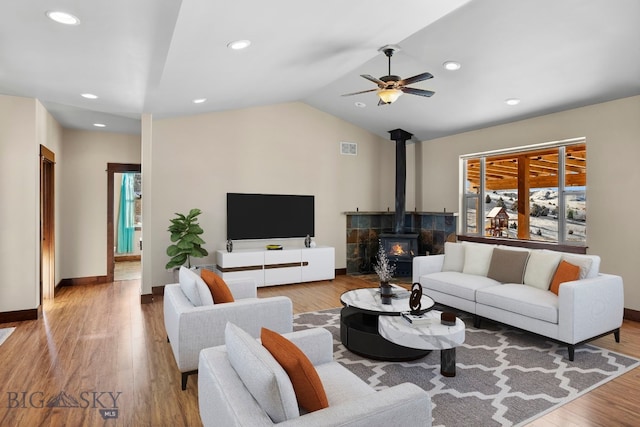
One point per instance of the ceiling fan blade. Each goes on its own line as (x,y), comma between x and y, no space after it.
(373,79)
(362,91)
(413,91)
(414,79)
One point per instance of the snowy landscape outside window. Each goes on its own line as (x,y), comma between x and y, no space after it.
(530,193)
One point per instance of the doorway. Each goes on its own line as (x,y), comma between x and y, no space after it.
(47,223)
(112,170)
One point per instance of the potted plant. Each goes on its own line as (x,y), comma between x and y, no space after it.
(385,271)
(185,238)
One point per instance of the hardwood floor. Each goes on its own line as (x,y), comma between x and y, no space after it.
(97,344)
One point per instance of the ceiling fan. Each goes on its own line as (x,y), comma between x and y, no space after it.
(390,87)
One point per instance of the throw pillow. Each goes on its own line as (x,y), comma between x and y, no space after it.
(507,266)
(188,285)
(540,268)
(453,257)
(477,258)
(203,290)
(565,273)
(261,374)
(303,375)
(219,289)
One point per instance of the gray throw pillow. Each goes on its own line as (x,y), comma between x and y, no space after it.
(507,266)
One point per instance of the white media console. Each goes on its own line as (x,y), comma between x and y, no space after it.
(278,267)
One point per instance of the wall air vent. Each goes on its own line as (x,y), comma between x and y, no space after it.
(349,148)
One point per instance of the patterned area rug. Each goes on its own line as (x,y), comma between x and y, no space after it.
(504,377)
(5,332)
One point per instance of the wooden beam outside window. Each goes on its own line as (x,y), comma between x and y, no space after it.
(523,197)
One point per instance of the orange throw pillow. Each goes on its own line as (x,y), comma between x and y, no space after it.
(219,289)
(306,382)
(564,273)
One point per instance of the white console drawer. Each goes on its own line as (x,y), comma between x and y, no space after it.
(240,259)
(283,256)
(281,275)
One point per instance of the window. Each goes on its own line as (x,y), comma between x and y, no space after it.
(530,193)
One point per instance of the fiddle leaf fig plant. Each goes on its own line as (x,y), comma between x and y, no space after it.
(185,238)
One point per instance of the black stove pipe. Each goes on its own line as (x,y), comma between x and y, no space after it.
(400,137)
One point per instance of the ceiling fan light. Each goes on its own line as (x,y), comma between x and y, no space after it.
(389,96)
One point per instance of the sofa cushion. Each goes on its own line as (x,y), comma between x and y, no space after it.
(584,262)
(507,266)
(564,273)
(540,268)
(527,301)
(261,374)
(458,284)
(453,257)
(306,382)
(340,384)
(218,288)
(188,285)
(477,258)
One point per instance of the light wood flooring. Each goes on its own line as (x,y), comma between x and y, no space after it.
(127,270)
(97,342)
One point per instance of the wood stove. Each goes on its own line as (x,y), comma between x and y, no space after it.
(400,248)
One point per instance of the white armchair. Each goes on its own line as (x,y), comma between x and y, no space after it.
(225,400)
(192,328)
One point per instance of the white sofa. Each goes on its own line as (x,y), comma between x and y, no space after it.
(192,324)
(225,400)
(584,309)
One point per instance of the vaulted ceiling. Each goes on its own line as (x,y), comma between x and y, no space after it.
(150,56)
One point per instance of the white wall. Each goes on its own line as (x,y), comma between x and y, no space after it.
(612,132)
(19,205)
(287,148)
(49,134)
(83,213)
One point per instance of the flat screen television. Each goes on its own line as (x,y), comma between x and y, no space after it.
(269,216)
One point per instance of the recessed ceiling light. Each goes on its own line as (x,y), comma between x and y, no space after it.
(239,44)
(199,100)
(62,17)
(451,65)
(512,101)
(89,96)
(99,125)
(360,104)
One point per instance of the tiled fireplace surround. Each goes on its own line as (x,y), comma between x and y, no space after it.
(363,229)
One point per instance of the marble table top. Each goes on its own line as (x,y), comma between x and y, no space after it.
(369,299)
(431,335)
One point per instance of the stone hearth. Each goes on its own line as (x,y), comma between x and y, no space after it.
(364,230)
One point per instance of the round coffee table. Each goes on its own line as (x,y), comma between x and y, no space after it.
(359,323)
(431,335)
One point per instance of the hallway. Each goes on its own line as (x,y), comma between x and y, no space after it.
(127,270)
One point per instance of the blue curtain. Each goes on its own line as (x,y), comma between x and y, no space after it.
(126,228)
